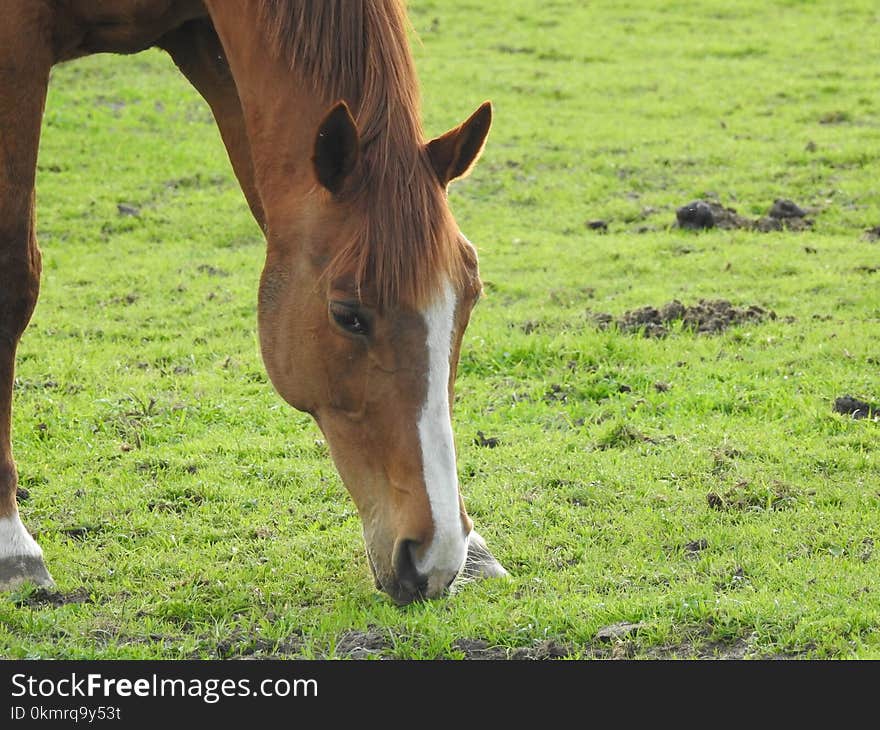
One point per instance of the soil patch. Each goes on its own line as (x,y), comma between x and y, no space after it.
(873,234)
(617,632)
(617,641)
(240,645)
(737,649)
(48,597)
(855,408)
(486,442)
(130,210)
(549,649)
(696,546)
(705,317)
(362,645)
(80,533)
(479,649)
(704,214)
(747,497)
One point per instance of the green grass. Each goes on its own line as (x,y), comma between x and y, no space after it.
(214,521)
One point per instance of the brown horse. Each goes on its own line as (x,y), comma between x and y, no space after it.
(368,283)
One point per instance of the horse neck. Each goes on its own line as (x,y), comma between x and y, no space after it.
(281,111)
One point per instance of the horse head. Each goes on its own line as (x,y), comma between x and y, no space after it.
(362,326)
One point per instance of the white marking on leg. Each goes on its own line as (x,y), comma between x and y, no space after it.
(15,540)
(448,550)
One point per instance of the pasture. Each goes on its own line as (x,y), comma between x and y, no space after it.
(689,494)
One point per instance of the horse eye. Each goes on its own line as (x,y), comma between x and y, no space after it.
(349,318)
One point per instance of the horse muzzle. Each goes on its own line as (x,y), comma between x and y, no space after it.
(403,582)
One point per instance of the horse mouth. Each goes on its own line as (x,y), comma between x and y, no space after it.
(479,564)
(400,595)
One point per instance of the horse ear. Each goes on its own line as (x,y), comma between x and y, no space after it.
(454,154)
(337,147)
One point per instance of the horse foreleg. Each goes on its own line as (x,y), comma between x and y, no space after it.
(196,50)
(24,76)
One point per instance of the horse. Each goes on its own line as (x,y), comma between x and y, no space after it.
(368,283)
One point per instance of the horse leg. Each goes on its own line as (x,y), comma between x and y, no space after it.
(25,59)
(196,50)
(480,562)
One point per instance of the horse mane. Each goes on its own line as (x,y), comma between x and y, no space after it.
(357,50)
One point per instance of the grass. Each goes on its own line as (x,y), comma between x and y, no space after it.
(697,487)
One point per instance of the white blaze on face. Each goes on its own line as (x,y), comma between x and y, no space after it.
(448,549)
(15,540)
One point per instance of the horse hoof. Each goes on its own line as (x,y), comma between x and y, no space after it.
(480,562)
(21,559)
(18,569)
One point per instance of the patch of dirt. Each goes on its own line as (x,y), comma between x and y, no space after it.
(80,533)
(362,645)
(616,632)
(49,597)
(695,216)
(834,117)
(782,209)
(557,393)
(696,546)
(549,649)
(855,408)
(705,214)
(211,270)
(872,234)
(240,645)
(486,442)
(736,649)
(621,436)
(705,317)
(22,495)
(745,497)
(130,210)
(480,650)
(617,641)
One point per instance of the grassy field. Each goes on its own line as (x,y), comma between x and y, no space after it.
(693,495)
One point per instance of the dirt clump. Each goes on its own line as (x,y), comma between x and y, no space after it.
(50,597)
(618,631)
(783,208)
(872,234)
(746,497)
(784,214)
(362,645)
(855,408)
(239,645)
(486,442)
(696,216)
(481,650)
(708,316)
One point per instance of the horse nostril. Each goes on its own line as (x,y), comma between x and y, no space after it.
(405,569)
